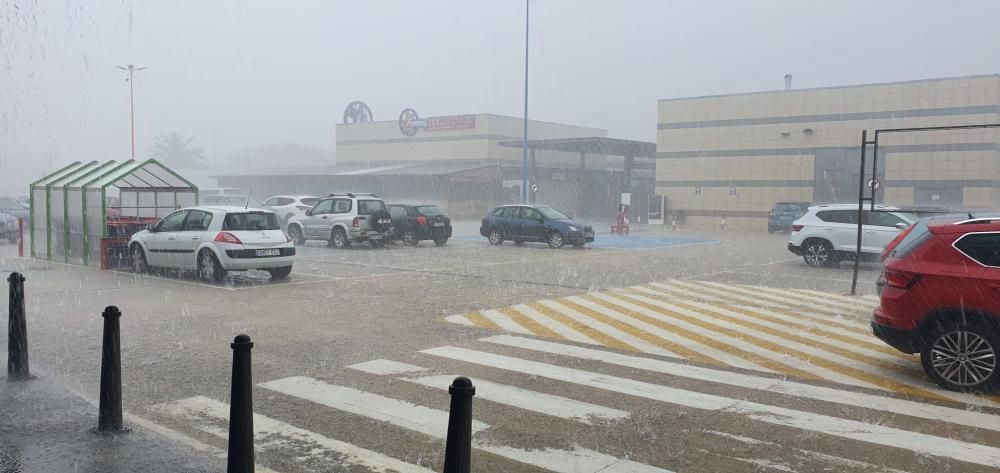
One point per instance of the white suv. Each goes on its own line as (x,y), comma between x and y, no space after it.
(288,206)
(828,234)
(213,241)
(342,219)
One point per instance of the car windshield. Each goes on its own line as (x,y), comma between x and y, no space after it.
(250,221)
(633,227)
(429,210)
(369,206)
(552,214)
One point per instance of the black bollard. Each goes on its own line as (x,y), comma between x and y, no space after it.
(17,333)
(458,449)
(109,418)
(241,409)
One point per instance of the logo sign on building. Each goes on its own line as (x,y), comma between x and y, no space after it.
(873,184)
(410,122)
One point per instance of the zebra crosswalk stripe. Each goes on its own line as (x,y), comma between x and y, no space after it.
(504,322)
(772,298)
(211,416)
(599,336)
(609,330)
(429,421)
(562,330)
(882,403)
(781,416)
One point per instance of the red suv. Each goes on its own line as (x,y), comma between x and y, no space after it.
(941,298)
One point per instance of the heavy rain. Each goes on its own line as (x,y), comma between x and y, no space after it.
(520,236)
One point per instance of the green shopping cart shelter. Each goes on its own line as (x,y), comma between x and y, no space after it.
(85,212)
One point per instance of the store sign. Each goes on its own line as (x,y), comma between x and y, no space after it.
(410,122)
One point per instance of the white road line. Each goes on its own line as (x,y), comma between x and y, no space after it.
(682,293)
(608,330)
(460,319)
(434,423)
(734,297)
(211,416)
(812,323)
(384,367)
(782,358)
(821,298)
(839,462)
(808,421)
(547,404)
(504,322)
(720,355)
(791,388)
(554,325)
(796,332)
(782,342)
(764,294)
(399,413)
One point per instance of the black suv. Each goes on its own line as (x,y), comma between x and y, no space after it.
(415,223)
(539,223)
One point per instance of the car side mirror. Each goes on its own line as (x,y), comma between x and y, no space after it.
(151,227)
(309,213)
(541,220)
(902,226)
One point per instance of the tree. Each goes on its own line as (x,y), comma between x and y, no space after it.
(172,148)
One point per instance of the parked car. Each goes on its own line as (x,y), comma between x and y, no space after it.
(288,206)
(13,207)
(214,241)
(415,223)
(538,223)
(783,214)
(828,234)
(343,219)
(8,228)
(940,299)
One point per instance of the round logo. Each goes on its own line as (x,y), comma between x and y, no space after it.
(873,184)
(409,122)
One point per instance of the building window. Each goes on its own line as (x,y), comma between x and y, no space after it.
(697,190)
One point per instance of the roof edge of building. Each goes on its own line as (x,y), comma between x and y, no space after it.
(912,81)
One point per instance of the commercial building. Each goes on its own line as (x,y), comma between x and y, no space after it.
(734,156)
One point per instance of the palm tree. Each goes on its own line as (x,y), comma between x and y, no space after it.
(172,148)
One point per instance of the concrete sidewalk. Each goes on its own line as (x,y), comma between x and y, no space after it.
(46,428)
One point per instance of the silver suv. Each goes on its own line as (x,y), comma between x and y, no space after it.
(343,219)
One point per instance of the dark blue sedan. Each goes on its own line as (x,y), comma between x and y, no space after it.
(538,223)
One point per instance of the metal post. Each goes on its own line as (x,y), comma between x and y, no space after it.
(458,449)
(241,455)
(20,237)
(109,417)
(17,331)
(861,203)
(131,105)
(524,150)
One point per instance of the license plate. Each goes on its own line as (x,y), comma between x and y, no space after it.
(273,252)
(588,234)
(438,224)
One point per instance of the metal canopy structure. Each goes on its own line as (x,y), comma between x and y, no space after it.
(75,209)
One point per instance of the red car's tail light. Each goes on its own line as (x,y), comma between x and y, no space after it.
(900,279)
(354,223)
(895,242)
(797,228)
(226,237)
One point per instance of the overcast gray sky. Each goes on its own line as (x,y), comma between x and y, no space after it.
(239,73)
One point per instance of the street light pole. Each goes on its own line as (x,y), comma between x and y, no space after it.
(131,99)
(524,147)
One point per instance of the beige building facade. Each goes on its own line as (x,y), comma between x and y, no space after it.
(734,156)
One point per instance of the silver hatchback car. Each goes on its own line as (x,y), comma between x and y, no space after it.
(343,219)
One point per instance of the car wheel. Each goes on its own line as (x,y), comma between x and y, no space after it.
(378,243)
(295,233)
(338,239)
(139,265)
(555,240)
(209,268)
(410,238)
(280,273)
(440,241)
(818,253)
(962,356)
(495,237)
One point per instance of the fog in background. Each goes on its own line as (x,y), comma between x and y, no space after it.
(244,73)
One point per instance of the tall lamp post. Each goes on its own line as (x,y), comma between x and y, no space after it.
(131,98)
(524,156)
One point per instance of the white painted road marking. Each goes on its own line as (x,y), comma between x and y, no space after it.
(850,429)
(384,367)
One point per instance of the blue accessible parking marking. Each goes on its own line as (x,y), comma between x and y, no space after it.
(627,242)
